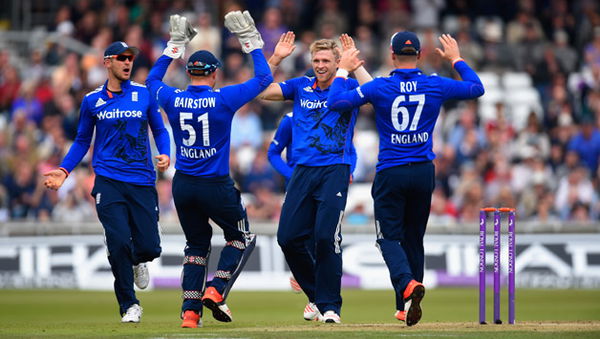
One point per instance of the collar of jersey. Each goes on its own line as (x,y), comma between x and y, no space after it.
(315,86)
(124,88)
(199,88)
(406,71)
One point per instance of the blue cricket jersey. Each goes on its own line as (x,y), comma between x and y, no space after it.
(121,148)
(201,116)
(407,104)
(321,136)
(283,140)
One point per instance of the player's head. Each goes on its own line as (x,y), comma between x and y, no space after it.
(324,57)
(118,60)
(405,46)
(203,65)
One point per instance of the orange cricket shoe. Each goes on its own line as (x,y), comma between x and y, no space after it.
(413,294)
(400,315)
(214,301)
(191,319)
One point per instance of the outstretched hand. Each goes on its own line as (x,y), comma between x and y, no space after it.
(349,60)
(180,32)
(347,42)
(285,46)
(242,25)
(451,51)
(54,179)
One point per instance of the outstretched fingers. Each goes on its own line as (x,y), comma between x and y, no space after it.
(346,41)
(289,37)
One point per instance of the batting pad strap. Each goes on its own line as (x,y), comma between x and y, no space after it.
(192,295)
(240,245)
(223,274)
(194,260)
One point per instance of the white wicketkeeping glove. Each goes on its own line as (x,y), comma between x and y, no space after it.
(181,32)
(242,25)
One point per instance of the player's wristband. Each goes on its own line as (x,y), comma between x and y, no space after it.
(456,60)
(342,73)
(64,170)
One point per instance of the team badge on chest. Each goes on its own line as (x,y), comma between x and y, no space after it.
(134,96)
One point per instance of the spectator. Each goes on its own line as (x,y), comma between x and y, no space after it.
(576,188)
(271,29)
(9,87)
(208,37)
(566,55)
(532,136)
(246,128)
(27,104)
(587,144)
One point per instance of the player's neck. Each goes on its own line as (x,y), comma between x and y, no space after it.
(114,84)
(325,84)
(405,65)
(201,82)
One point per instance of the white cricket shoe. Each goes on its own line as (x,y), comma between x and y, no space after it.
(141,277)
(311,312)
(133,314)
(331,317)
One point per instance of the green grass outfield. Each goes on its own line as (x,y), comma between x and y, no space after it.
(365,314)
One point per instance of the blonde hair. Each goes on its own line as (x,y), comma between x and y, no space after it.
(324,45)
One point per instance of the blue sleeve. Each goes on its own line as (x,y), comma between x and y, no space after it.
(81,145)
(470,87)
(288,87)
(237,96)
(281,140)
(344,95)
(158,89)
(161,136)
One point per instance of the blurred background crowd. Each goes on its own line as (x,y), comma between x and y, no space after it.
(532,141)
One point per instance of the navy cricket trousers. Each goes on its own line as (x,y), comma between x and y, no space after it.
(197,199)
(402,197)
(129,215)
(314,207)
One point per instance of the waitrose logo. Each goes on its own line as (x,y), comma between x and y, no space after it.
(118,114)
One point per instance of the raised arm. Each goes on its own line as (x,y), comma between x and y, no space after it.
(339,98)
(470,86)
(361,74)
(283,49)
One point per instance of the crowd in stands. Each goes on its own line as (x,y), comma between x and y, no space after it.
(532,141)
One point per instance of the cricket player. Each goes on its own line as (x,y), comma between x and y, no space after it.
(407,104)
(283,141)
(318,188)
(202,188)
(126,200)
